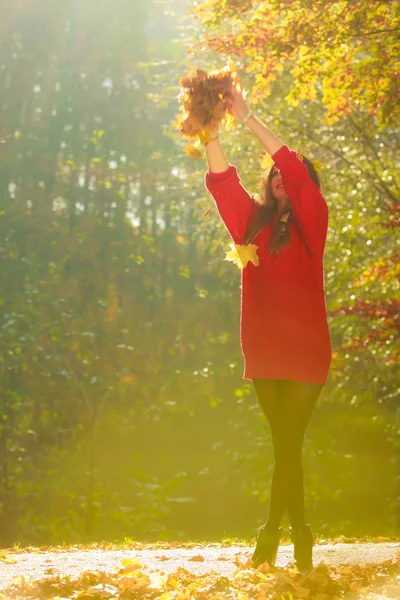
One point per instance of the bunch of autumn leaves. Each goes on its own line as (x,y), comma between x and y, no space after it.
(206,102)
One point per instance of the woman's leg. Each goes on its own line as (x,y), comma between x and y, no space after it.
(288,406)
(298,401)
(268,394)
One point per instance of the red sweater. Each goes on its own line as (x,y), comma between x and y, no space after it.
(283,326)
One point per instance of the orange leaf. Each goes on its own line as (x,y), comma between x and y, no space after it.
(193,152)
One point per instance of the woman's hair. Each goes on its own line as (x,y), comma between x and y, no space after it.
(265,209)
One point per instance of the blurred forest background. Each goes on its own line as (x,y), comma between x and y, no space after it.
(123,408)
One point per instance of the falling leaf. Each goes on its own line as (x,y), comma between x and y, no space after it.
(205,213)
(241,255)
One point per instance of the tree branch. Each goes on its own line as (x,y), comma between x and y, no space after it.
(374,150)
(338,154)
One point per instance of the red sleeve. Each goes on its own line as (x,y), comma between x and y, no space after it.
(234,203)
(308,205)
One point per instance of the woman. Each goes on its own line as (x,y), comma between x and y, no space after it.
(283,327)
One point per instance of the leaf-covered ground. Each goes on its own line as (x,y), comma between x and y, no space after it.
(347,569)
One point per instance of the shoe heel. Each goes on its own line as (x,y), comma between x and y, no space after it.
(303,541)
(267,546)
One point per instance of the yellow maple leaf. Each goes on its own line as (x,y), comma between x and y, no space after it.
(266,161)
(203,136)
(241,255)
(229,121)
(193,152)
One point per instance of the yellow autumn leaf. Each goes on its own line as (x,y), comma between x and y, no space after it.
(157,580)
(193,152)
(180,117)
(229,121)
(241,255)
(6,558)
(317,165)
(129,566)
(172,582)
(266,161)
(231,66)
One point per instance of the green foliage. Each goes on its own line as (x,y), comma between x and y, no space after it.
(123,409)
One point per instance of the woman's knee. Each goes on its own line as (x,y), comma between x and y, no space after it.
(288,450)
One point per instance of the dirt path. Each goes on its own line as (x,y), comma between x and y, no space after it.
(198,560)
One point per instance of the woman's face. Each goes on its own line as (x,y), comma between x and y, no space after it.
(277,186)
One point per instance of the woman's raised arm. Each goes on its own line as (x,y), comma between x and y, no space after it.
(216,159)
(309,208)
(268,139)
(233,201)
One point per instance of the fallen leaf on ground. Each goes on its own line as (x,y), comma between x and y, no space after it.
(7,559)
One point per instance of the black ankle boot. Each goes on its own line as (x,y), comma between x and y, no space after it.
(267,546)
(303,540)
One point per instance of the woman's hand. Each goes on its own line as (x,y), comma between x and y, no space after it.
(239,103)
(269,140)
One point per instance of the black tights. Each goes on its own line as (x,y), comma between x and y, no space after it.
(288,406)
